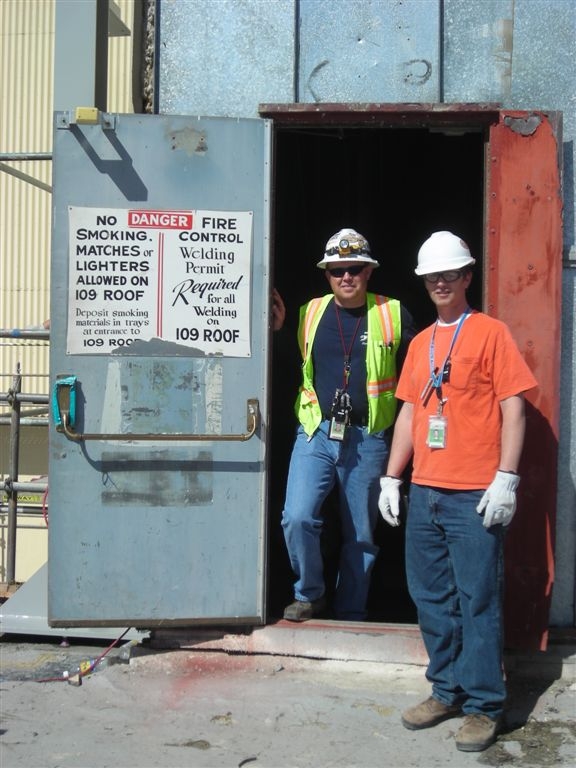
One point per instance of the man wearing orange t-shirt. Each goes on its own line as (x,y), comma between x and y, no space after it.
(462,421)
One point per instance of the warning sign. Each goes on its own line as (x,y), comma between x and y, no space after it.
(179,276)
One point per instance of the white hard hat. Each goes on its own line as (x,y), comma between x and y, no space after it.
(443,251)
(347,245)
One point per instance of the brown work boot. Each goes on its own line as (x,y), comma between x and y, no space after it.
(301,611)
(428,713)
(476,733)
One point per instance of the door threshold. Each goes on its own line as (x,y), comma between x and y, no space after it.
(316,638)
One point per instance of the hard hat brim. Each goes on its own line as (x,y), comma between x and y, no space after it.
(445,266)
(350,259)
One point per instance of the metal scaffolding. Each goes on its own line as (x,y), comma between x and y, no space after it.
(17,418)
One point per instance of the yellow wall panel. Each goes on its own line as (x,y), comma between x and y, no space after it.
(26,95)
(27,39)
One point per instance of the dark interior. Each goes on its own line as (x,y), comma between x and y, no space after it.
(395,186)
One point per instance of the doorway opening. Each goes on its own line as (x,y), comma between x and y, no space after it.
(395,185)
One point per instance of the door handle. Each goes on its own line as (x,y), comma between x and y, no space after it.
(63,403)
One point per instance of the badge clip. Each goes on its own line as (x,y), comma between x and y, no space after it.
(341,407)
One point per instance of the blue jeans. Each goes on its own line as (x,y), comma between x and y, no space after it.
(455,570)
(356,464)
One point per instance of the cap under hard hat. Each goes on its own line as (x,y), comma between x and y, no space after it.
(347,245)
(443,251)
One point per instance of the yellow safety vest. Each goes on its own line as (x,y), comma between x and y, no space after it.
(384,333)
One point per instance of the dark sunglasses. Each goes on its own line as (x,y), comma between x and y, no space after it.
(341,271)
(447,277)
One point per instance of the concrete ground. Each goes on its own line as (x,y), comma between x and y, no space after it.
(204,706)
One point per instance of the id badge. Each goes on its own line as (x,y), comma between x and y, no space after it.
(436,432)
(337,429)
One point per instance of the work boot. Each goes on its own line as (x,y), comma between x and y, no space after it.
(428,713)
(301,611)
(476,733)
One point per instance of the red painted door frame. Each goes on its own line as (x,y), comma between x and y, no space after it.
(522,286)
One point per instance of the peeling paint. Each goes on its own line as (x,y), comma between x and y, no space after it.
(157,479)
(158,348)
(525,126)
(189,140)
(214,397)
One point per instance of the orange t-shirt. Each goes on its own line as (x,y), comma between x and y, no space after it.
(486,367)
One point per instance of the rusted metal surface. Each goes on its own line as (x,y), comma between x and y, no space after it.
(383,114)
(523,288)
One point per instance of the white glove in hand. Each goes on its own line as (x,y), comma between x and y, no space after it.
(499,501)
(389,501)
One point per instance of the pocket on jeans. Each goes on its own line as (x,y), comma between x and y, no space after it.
(382,434)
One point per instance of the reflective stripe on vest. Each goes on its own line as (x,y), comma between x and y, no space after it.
(377,387)
(385,318)
(312,315)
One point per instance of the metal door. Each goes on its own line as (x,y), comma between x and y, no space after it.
(159,363)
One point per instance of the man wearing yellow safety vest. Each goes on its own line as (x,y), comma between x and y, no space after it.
(351,343)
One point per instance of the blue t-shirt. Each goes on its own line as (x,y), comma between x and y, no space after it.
(334,343)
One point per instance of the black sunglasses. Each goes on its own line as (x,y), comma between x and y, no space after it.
(450,276)
(341,271)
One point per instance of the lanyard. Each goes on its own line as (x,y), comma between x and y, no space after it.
(347,352)
(438,375)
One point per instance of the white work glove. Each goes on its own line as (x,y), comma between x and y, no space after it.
(499,501)
(389,500)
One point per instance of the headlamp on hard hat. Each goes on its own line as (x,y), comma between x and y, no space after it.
(347,244)
(346,248)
